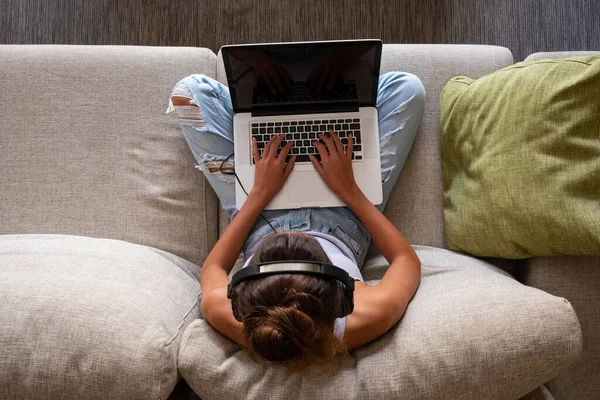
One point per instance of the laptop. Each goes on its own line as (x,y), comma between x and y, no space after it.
(303,89)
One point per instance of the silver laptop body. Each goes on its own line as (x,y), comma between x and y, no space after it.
(303,89)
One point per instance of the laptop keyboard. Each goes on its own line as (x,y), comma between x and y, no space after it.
(304,132)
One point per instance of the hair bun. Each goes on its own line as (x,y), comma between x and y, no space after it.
(304,302)
(270,335)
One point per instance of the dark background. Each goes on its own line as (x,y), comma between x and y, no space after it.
(524,26)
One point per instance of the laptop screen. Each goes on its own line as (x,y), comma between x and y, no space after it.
(302,77)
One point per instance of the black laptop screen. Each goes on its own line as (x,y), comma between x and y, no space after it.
(309,76)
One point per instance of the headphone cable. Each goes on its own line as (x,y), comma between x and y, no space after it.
(232,172)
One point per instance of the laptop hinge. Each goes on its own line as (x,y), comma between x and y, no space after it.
(307,109)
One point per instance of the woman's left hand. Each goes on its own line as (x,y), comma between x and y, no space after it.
(270,170)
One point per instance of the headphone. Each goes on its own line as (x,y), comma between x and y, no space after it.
(293,267)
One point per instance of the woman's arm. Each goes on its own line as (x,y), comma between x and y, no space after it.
(220,261)
(405,266)
(270,174)
(376,308)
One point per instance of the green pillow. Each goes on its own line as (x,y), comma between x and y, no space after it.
(521,160)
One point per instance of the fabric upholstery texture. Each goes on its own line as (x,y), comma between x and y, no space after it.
(131,177)
(560,54)
(469,332)
(521,159)
(87,149)
(87,318)
(541,393)
(576,279)
(415,205)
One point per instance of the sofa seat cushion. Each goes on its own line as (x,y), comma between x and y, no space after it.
(521,159)
(471,331)
(84,318)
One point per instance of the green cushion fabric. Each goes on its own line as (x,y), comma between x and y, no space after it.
(521,160)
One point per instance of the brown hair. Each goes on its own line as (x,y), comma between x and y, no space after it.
(288,318)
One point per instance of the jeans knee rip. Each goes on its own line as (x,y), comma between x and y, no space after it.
(189,113)
(386,151)
(384,140)
(385,174)
(212,165)
(388,136)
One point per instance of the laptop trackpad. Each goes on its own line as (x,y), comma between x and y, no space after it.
(307,186)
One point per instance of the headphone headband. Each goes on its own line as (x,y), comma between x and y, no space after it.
(294,267)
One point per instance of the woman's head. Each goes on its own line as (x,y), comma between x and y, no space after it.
(289,318)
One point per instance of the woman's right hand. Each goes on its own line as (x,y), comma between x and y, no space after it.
(335,167)
(271,170)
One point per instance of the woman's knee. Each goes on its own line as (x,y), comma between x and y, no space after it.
(405,85)
(181,93)
(183,104)
(204,120)
(201,97)
(182,98)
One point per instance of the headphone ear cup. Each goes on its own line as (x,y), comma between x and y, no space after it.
(349,295)
(234,306)
(346,299)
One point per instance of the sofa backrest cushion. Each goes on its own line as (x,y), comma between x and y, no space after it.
(87,149)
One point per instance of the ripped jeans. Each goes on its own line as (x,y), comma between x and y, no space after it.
(205,114)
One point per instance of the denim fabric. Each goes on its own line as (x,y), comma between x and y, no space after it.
(208,129)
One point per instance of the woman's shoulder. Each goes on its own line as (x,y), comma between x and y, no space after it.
(216,311)
(371,318)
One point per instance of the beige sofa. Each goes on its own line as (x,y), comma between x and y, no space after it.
(104,225)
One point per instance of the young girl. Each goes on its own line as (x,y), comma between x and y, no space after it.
(292,318)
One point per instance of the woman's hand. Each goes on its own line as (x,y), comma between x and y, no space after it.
(336,165)
(270,170)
